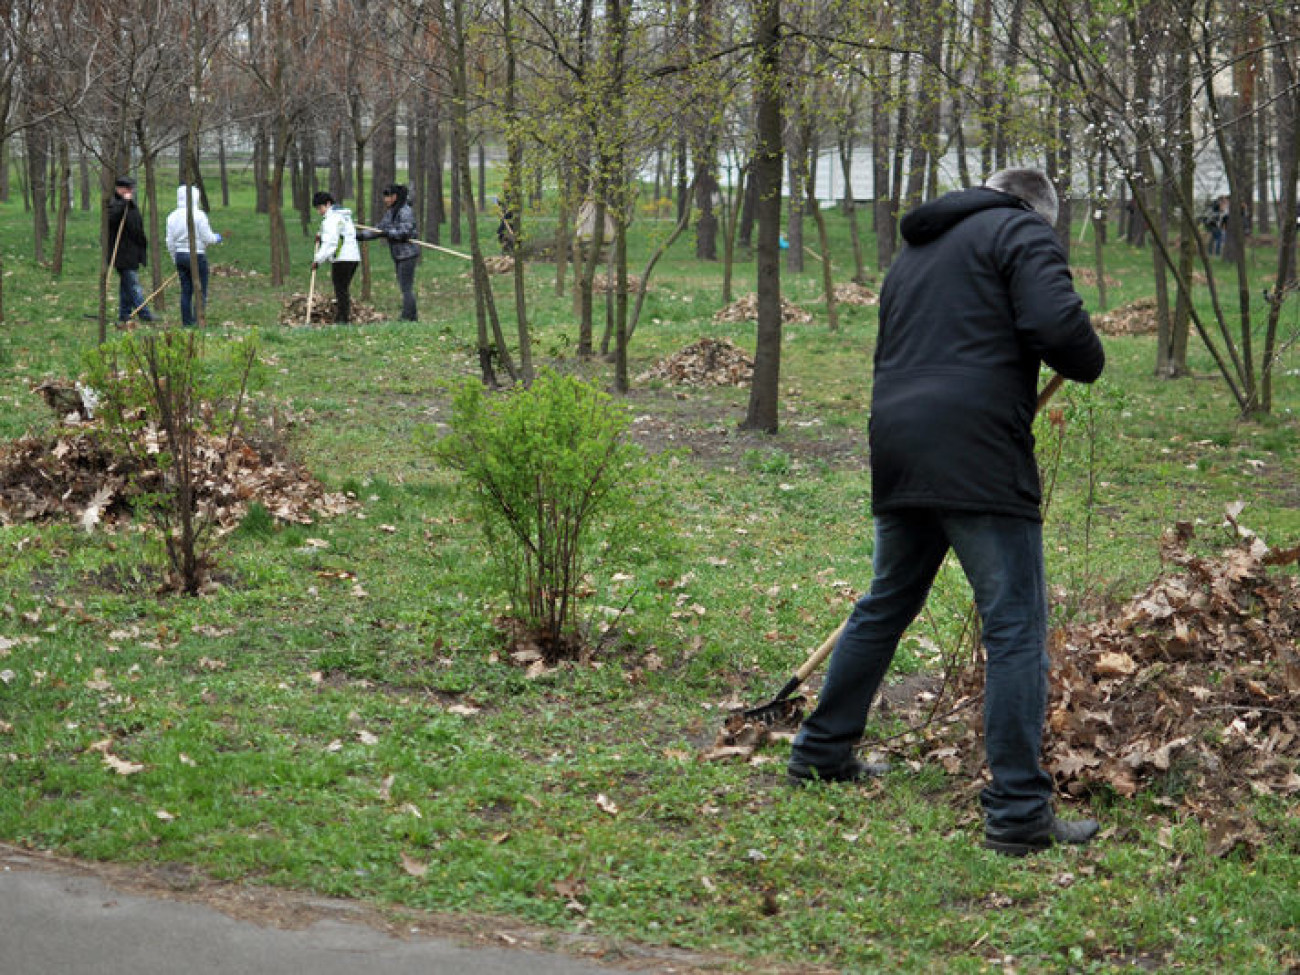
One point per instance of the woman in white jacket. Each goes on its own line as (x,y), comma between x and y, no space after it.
(336,244)
(178,246)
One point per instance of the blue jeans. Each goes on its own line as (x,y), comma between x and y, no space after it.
(130,296)
(188,318)
(1003,560)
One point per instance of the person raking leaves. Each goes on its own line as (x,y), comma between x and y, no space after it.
(979,297)
(337,246)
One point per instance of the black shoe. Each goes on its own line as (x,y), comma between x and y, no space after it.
(854,771)
(1021,840)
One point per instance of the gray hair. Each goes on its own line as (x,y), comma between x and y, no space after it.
(1030,185)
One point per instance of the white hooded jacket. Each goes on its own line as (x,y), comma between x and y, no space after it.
(338,237)
(178,239)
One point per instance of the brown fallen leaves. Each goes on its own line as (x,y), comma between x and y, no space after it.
(746,310)
(1194,687)
(856,294)
(708,362)
(74,474)
(1135,318)
(324,310)
(1191,691)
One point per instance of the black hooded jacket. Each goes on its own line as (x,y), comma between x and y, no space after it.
(132,246)
(979,297)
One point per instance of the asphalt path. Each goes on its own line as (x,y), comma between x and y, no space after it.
(61,917)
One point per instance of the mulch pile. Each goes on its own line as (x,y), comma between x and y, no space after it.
(503,264)
(856,294)
(709,362)
(1191,691)
(324,310)
(1135,318)
(746,310)
(77,474)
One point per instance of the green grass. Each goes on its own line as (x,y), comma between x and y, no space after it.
(303,726)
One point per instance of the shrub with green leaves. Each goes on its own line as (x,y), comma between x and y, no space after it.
(559,491)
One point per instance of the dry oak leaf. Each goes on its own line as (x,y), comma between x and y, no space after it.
(414,867)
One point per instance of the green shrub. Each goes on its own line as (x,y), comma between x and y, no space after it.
(559,492)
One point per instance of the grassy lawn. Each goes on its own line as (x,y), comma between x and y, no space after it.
(342,715)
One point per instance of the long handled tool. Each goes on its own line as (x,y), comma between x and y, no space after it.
(156,293)
(425,243)
(782,705)
(311,292)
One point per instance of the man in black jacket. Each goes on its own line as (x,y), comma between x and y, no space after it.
(976,301)
(128,247)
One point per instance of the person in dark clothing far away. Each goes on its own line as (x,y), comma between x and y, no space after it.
(977,300)
(127,249)
(398,227)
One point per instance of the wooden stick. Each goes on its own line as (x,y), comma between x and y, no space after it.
(423,243)
(157,292)
(311,290)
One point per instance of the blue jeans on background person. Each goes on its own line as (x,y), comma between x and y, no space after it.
(1003,560)
(130,296)
(183,269)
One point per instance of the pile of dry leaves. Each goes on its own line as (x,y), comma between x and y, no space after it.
(746,310)
(1197,679)
(856,294)
(1088,276)
(76,474)
(605,284)
(1135,318)
(324,311)
(1191,690)
(709,362)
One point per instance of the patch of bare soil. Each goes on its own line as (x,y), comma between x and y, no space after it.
(297,910)
(77,474)
(745,309)
(1135,318)
(709,433)
(324,311)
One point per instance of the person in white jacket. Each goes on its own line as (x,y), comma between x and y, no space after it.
(336,244)
(178,246)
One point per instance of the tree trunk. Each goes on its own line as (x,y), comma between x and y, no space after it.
(64,183)
(514,201)
(764,390)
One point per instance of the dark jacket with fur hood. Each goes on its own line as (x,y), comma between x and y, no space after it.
(980,296)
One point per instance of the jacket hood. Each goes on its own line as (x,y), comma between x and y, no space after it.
(932,220)
(186,194)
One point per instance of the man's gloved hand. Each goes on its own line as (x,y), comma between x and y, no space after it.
(219,239)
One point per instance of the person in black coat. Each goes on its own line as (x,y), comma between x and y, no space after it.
(979,298)
(127,249)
